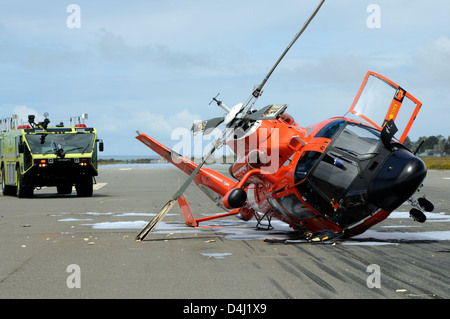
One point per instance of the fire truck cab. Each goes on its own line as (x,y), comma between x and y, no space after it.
(35,155)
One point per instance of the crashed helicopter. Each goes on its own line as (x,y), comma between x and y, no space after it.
(333,179)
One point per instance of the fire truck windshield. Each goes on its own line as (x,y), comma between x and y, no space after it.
(69,143)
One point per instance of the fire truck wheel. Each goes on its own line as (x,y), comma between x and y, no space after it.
(7,190)
(22,191)
(84,186)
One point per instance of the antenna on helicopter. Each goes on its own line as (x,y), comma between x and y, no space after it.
(219,103)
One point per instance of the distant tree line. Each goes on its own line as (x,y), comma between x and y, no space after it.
(432,145)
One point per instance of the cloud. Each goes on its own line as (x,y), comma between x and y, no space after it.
(172,130)
(164,124)
(335,68)
(433,59)
(147,121)
(113,49)
(168,59)
(98,50)
(23,111)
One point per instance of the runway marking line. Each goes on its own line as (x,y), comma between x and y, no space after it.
(99,185)
(95,187)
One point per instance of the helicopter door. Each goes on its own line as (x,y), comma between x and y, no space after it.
(377,94)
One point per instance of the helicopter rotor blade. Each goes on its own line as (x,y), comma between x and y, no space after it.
(211,124)
(155,221)
(206,127)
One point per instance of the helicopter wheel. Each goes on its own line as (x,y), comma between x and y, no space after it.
(426,204)
(417,215)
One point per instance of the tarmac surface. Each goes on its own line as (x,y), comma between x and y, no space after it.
(56,246)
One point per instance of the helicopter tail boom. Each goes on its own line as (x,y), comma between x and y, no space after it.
(171,156)
(206,178)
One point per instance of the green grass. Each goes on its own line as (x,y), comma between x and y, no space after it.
(437,162)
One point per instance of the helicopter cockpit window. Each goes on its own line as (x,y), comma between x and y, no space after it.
(305,164)
(358,141)
(330,129)
(325,178)
(333,175)
(341,163)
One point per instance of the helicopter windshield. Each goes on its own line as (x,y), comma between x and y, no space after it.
(324,179)
(358,141)
(70,143)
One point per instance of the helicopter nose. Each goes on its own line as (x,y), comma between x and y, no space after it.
(397,180)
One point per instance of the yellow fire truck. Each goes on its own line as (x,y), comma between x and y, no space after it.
(34,155)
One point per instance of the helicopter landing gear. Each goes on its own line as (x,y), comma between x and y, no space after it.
(417,215)
(260,225)
(421,205)
(426,204)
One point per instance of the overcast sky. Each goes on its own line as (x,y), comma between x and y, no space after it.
(154,65)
